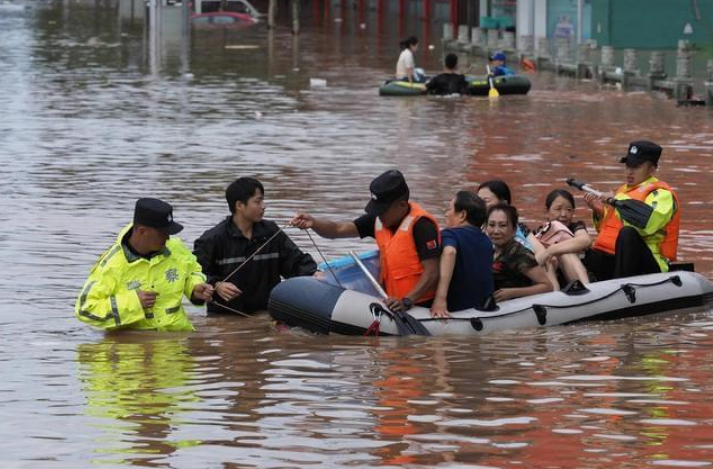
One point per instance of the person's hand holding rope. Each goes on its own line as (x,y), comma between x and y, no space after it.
(227,291)
(203,291)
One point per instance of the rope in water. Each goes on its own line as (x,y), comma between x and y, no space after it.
(325,260)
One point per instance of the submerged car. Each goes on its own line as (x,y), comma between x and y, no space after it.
(217,19)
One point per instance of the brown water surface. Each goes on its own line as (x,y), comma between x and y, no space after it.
(88,125)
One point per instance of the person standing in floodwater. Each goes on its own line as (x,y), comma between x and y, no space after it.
(244,285)
(139,282)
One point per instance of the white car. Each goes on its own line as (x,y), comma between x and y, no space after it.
(237,6)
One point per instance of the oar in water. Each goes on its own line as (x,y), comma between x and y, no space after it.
(492,92)
(406,324)
(635,212)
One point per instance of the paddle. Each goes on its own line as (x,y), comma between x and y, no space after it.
(492,92)
(406,324)
(635,212)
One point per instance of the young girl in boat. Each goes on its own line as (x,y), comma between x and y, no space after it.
(466,279)
(516,272)
(562,239)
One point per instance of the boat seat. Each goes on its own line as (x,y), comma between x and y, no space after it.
(682,267)
(575,287)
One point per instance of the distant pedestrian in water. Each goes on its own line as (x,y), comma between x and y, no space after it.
(406,66)
(497,65)
(450,81)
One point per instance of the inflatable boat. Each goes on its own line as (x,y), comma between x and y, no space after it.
(477,86)
(344,302)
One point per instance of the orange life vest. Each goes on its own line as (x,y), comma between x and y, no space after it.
(400,266)
(612,224)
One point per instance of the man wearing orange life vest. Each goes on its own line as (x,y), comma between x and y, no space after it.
(408,238)
(621,250)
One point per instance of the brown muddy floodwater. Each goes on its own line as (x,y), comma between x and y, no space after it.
(87,126)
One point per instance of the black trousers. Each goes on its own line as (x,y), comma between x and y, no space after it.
(632,257)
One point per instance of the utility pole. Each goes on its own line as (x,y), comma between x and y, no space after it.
(271,12)
(295,17)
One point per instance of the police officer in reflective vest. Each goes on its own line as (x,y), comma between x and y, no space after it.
(622,250)
(408,238)
(140,281)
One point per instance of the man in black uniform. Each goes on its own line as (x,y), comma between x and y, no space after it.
(229,244)
(408,238)
(448,82)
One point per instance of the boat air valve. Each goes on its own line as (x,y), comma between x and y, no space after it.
(676,280)
(630,292)
(477,324)
(541,313)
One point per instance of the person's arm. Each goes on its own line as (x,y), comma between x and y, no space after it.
(205,253)
(195,289)
(325,228)
(446,266)
(596,205)
(410,67)
(577,244)
(540,285)
(294,263)
(432,85)
(664,207)
(105,303)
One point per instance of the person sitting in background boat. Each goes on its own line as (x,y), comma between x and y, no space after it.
(496,192)
(140,281)
(406,66)
(497,65)
(408,238)
(228,245)
(449,82)
(622,250)
(466,278)
(563,239)
(516,272)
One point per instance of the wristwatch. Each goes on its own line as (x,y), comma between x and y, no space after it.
(407,302)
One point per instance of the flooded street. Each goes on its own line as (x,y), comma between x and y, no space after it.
(88,125)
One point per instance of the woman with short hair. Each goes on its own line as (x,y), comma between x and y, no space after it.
(516,272)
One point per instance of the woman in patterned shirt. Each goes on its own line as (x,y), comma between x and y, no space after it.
(516,272)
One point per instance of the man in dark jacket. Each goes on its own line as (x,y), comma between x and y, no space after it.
(229,244)
(450,81)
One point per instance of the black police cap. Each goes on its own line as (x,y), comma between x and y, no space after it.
(156,213)
(385,190)
(641,151)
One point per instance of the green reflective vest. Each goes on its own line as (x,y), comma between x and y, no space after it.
(109,300)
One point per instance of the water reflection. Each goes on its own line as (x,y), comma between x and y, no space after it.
(137,390)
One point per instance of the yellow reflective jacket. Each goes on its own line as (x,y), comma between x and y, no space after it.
(664,207)
(109,300)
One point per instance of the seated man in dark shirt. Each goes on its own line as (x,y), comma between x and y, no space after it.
(408,239)
(448,82)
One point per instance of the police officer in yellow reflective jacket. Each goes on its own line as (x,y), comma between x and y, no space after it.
(621,249)
(140,281)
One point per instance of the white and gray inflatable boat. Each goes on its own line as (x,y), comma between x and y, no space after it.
(350,306)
